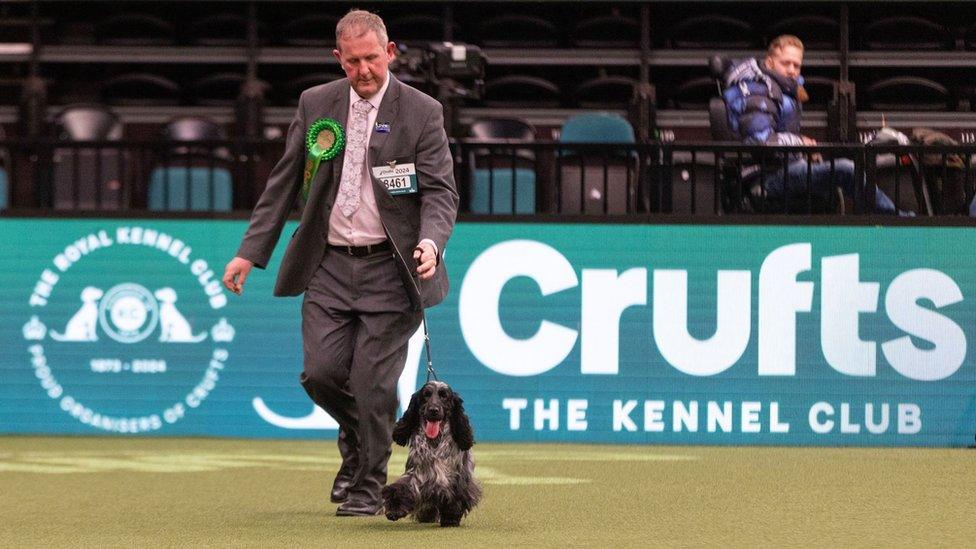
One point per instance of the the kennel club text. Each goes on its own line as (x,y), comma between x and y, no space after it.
(658,416)
(135,236)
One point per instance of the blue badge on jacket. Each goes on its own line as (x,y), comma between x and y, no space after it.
(382,128)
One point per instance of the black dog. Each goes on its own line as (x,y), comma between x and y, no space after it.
(439,481)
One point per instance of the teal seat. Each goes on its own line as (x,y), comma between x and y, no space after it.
(598,182)
(597,127)
(499,182)
(3,189)
(168,189)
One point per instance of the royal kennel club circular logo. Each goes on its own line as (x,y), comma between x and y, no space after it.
(126,332)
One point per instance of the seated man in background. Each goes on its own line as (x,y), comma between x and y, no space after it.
(764,99)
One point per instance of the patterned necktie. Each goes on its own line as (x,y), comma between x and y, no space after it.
(355,155)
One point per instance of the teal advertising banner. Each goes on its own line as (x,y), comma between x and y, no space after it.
(551,332)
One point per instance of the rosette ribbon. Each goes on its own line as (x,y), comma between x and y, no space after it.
(324,140)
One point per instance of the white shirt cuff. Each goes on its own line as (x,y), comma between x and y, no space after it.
(432,245)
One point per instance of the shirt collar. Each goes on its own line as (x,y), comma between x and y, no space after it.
(376,99)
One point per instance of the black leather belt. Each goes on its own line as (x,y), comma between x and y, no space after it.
(361,251)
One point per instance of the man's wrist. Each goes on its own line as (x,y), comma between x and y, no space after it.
(432,245)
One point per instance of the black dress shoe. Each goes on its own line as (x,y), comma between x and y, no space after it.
(359,508)
(340,489)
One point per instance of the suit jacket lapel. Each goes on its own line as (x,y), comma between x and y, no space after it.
(386,115)
(340,113)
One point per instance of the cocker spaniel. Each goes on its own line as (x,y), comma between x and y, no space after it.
(439,483)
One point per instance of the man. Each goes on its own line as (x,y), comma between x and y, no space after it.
(376,213)
(765,105)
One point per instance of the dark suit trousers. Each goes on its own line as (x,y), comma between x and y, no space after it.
(356,324)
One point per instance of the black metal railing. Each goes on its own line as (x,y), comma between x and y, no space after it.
(716,178)
(127,175)
(516,178)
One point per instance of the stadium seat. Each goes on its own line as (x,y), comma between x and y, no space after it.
(504,128)
(596,127)
(492,190)
(693,94)
(178,188)
(140,88)
(4,180)
(734,197)
(418,28)
(134,29)
(307,30)
(969,37)
(692,172)
(501,171)
(87,178)
(821,92)
(4,184)
(593,183)
(905,33)
(607,31)
(908,93)
(818,32)
(192,177)
(605,92)
(4,189)
(221,29)
(904,185)
(521,90)
(220,89)
(513,30)
(712,31)
(9,91)
(289,92)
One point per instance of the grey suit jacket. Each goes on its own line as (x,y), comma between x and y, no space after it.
(416,135)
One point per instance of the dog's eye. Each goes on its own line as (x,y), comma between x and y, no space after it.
(442,393)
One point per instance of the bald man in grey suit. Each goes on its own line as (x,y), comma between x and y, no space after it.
(367,253)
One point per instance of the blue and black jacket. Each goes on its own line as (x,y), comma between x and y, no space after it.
(762,105)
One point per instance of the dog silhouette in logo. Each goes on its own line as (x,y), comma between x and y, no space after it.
(174,327)
(81,327)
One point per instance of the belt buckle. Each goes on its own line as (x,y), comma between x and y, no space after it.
(369,249)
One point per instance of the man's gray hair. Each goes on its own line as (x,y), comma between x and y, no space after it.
(358,22)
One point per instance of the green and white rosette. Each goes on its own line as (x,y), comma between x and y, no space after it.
(324,140)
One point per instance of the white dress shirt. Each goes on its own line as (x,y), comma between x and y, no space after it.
(364,226)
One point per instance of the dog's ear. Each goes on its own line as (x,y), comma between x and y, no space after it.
(409,423)
(460,425)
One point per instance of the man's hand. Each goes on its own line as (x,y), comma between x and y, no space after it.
(426,260)
(236,273)
(810,142)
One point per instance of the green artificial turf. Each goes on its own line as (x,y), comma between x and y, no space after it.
(114,492)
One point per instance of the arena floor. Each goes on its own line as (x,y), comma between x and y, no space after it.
(112,492)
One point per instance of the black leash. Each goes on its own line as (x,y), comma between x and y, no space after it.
(430,363)
(423,312)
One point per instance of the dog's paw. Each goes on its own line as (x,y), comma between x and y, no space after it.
(396,502)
